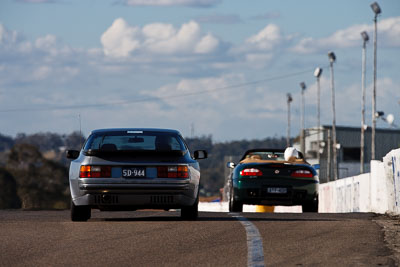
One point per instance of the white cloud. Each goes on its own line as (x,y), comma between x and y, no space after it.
(207,44)
(216,101)
(122,40)
(193,3)
(182,41)
(7,36)
(388,34)
(267,39)
(348,101)
(260,49)
(12,40)
(158,31)
(46,42)
(222,93)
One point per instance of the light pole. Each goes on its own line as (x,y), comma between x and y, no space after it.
(377,10)
(302,137)
(365,40)
(288,100)
(332,59)
(317,74)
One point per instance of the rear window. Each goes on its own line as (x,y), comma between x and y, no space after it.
(134,140)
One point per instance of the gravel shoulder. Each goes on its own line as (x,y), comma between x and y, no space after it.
(391,227)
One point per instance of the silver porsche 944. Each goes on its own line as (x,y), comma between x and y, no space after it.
(132,168)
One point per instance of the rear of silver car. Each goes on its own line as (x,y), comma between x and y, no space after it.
(113,179)
(118,192)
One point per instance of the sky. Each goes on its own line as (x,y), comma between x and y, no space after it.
(204,67)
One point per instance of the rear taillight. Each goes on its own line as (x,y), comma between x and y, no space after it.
(88,171)
(302,174)
(251,172)
(172,172)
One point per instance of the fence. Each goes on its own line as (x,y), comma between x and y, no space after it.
(377,191)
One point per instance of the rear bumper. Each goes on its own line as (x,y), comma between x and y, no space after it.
(135,196)
(109,201)
(298,197)
(296,194)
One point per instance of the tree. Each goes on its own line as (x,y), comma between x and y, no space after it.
(41,183)
(8,191)
(6,142)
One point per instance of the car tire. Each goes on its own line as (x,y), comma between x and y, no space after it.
(191,213)
(80,213)
(234,205)
(311,206)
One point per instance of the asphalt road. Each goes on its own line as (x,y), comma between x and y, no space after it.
(158,238)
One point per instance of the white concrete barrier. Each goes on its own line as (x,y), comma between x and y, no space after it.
(391,163)
(377,191)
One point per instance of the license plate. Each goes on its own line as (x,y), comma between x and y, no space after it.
(277,190)
(134,172)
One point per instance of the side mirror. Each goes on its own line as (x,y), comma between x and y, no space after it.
(230,165)
(72,154)
(200,154)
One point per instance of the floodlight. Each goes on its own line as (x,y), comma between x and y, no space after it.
(289,97)
(365,36)
(375,7)
(379,114)
(332,57)
(390,119)
(303,86)
(317,72)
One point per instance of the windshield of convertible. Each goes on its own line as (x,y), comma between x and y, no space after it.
(265,155)
(134,141)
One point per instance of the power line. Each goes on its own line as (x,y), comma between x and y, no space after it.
(152,98)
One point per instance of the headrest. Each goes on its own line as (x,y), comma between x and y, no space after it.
(291,152)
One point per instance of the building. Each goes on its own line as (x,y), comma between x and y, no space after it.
(348,141)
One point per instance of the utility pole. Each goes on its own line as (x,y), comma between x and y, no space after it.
(365,40)
(317,74)
(288,100)
(332,59)
(302,135)
(377,10)
(328,168)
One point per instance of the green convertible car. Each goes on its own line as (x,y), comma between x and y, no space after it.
(265,177)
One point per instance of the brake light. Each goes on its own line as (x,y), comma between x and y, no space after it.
(251,172)
(172,172)
(88,171)
(302,174)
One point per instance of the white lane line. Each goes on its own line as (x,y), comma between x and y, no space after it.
(255,254)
